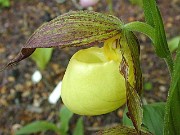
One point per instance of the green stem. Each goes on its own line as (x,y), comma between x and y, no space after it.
(150,32)
(172,105)
(166,129)
(142,28)
(170,63)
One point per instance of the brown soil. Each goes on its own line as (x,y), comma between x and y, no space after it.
(21,101)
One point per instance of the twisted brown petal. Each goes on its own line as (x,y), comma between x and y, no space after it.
(130,59)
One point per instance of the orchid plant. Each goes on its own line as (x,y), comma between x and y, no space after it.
(100,80)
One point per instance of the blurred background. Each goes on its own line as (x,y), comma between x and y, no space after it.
(24,100)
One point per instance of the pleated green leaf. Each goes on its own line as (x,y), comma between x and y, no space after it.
(148,13)
(153,18)
(153,118)
(42,56)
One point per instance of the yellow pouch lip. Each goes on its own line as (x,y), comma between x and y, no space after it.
(84,64)
(93,55)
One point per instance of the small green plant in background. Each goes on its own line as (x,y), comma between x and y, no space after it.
(173,43)
(148,86)
(61,128)
(4,3)
(42,56)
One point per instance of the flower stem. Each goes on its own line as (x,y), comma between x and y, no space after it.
(142,28)
(170,63)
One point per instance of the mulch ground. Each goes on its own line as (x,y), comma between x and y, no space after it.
(21,101)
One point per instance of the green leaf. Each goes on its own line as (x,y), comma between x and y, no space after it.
(79,129)
(42,56)
(37,126)
(75,28)
(153,18)
(148,12)
(162,49)
(153,118)
(126,121)
(172,119)
(5,3)
(65,116)
(173,43)
(122,130)
(148,86)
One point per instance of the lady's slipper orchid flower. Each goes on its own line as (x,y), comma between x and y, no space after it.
(92,84)
(97,80)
